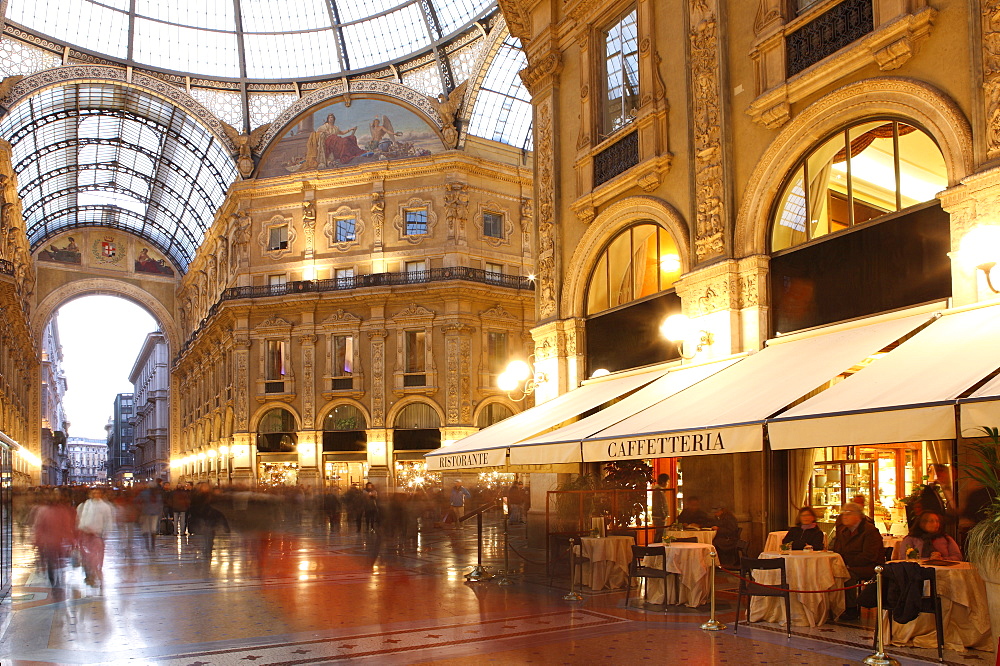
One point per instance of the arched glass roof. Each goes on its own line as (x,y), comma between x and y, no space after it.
(502,111)
(250,39)
(101,154)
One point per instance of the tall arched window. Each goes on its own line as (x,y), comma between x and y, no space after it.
(861,173)
(493,413)
(277,432)
(344,429)
(641,261)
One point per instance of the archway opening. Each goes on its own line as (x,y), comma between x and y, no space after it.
(105,394)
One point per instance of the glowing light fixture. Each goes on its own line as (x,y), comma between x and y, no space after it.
(980,249)
(680,330)
(670,263)
(600,372)
(520,375)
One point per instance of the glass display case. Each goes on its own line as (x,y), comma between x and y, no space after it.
(836,482)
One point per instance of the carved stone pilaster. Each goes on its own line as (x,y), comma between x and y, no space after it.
(708,146)
(991,74)
(378,219)
(241,343)
(308,345)
(971,203)
(545,195)
(309,227)
(527,216)
(377,338)
(458,370)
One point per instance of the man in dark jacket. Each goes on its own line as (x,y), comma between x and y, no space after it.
(859,542)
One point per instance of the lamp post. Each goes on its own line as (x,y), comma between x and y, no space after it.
(520,376)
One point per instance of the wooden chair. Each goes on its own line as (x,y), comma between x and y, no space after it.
(888,552)
(928,604)
(750,589)
(684,540)
(742,548)
(636,569)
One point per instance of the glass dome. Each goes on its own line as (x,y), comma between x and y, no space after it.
(250,39)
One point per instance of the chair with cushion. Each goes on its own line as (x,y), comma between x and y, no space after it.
(750,589)
(636,569)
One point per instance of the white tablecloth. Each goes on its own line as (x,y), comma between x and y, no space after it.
(806,570)
(606,563)
(693,566)
(703,536)
(965,609)
(773,543)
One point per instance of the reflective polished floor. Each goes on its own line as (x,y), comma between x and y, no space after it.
(307,595)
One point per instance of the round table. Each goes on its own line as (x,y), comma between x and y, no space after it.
(965,609)
(806,570)
(606,561)
(773,543)
(703,536)
(692,567)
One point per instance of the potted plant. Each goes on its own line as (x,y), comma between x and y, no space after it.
(982,545)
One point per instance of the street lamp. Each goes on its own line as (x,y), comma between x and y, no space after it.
(980,248)
(680,329)
(520,375)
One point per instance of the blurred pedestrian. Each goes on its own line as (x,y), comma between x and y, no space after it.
(150,500)
(55,532)
(205,522)
(180,503)
(94,519)
(371,508)
(459,494)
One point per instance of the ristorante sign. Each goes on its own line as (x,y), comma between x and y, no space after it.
(669,445)
(489,458)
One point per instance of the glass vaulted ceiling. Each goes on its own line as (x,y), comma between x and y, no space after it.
(250,39)
(95,154)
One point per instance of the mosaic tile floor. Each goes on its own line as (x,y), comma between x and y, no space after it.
(309,596)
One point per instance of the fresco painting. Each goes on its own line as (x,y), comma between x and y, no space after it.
(63,251)
(337,135)
(101,248)
(148,261)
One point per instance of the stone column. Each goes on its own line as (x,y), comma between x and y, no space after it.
(971,203)
(243,451)
(458,375)
(309,453)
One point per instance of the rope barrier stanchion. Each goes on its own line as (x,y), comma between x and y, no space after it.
(880,658)
(505,574)
(713,624)
(573,595)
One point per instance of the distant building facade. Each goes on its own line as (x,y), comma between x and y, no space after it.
(150,378)
(88,460)
(119,441)
(55,462)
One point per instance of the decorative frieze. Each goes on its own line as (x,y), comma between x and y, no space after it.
(991,74)
(545,265)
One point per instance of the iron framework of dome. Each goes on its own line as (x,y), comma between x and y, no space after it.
(103,154)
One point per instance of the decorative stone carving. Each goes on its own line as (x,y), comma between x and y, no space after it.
(545,170)
(330,228)
(527,215)
(245,145)
(241,227)
(709,172)
(991,74)
(413,310)
(308,227)
(452,379)
(447,107)
(341,317)
(518,18)
(378,218)
(456,209)
(497,312)
(308,343)
(508,226)
(274,322)
(540,73)
(377,338)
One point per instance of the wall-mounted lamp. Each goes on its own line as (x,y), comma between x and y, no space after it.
(520,376)
(980,249)
(679,329)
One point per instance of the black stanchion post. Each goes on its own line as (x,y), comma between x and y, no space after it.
(880,658)
(479,572)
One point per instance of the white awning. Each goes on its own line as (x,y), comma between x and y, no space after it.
(563,445)
(907,395)
(982,408)
(488,447)
(725,412)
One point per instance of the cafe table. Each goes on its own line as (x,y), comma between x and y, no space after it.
(965,609)
(693,568)
(773,543)
(703,536)
(604,561)
(806,570)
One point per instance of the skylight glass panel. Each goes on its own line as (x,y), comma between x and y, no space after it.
(282,16)
(286,56)
(210,14)
(453,14)
(353,10)
(186,49)
(503,109)
(92,26)
(386,38)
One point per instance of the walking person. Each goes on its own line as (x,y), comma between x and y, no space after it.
(55,532)
(180,503)
(94,519)
(660,506)
(206,521)
(516,497)
(371,508)
(150,501)
(459,494)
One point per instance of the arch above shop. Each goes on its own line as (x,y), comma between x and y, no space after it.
(605,227)
(907,99)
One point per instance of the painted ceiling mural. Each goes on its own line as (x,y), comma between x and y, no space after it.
(337,135)
(107,249)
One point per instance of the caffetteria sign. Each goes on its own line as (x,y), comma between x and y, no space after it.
(739,439)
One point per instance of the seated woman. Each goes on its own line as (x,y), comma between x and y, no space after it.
(806,532)
(928,540)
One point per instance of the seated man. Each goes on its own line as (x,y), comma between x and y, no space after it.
(693,515)
(857,541)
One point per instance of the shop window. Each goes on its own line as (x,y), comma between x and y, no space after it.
(493,413)
(417,428)
(415,355)
(344,429)
(858,175)
(493,225)
(415,220)
(638,263)
(343,362)
(621,72)
(277,238)
(345,230)
(277,432)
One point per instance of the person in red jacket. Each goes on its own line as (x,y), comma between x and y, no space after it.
(55,532)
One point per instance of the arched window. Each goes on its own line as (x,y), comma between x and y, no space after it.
(417,428)
(493,413)
(641,261)
(417,416)
(277,432)
(344,429)
(890,165)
